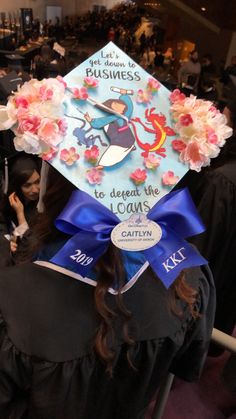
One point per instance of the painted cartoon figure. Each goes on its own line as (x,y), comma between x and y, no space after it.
(81,134)
(116,128)
(158,128)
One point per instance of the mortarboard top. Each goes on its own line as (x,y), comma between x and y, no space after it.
(134,150)
(14,61)
(13,157)
(9,83)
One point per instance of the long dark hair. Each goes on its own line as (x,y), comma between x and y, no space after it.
(19,172)
(109,269)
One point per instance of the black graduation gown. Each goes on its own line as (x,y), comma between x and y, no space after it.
(214,193)
(47,366)
(6,228)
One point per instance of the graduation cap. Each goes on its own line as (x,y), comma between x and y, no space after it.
(14,61)
(124,141)
(59,49)
(9,84)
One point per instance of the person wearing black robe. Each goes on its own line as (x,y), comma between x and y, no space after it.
(214,193)
(18,205)
(48,368)
(51,362)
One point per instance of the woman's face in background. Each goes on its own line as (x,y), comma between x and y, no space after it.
(30,188)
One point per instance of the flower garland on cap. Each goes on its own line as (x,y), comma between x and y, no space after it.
(35,113)
(201,128)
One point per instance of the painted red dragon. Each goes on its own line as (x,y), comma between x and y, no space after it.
(159,129)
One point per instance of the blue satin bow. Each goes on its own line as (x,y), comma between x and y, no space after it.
(91,223)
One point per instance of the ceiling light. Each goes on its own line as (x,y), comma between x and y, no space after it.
(203,9)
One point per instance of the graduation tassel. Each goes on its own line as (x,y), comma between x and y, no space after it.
(43,185)
(6,176)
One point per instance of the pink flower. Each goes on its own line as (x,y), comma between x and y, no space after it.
(92,154)
(177,96)
(153,85)
(186,120)
(212,138)
(61,80)
(35,111)
(28,123)
(49,132)
(214,110)
(45,93)
(69,156)
(90,82)
(62,124)
(194,156)
(169,178)
(152,162)
(138,176)
(178,145)
(94,176)
(80,94)
(50,154)
(22,102)
(144,96)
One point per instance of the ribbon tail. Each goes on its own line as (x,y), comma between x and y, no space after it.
(168,262)
(81,252)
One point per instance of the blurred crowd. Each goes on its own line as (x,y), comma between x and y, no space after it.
(65,44)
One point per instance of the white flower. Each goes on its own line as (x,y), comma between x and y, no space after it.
(6,121)
(35,114)
(29,143)
(201,127)
(58,90)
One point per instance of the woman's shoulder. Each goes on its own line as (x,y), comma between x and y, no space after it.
(227,172)
(45,311)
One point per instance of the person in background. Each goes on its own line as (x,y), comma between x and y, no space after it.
(18,204)
(159,58)
(229,80)
(207,84)
(207,67)
(229,71)
(41,62)
(207,90)
(189,87)
(214,193)
(151,58)
(192,68)
(143,43)
(111,35)
(168,59)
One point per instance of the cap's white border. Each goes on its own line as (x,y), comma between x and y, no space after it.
(89,281)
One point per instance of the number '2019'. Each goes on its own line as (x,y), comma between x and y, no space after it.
(81,258)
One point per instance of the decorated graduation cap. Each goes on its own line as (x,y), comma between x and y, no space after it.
(124,141)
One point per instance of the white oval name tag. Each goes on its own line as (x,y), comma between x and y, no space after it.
(136,233)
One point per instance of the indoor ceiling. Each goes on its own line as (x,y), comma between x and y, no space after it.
(220,12)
